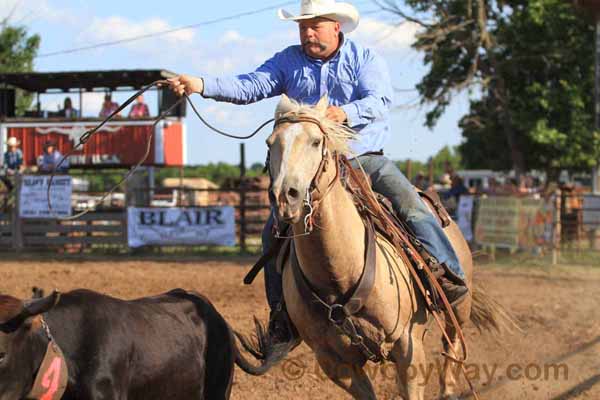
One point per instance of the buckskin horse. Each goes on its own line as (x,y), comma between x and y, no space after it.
(328,264)
(85,345)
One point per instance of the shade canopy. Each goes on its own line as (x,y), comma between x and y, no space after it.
(41,82)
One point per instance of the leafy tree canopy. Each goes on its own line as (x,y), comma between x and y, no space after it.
(529,68)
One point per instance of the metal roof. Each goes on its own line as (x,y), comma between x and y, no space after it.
(40,82)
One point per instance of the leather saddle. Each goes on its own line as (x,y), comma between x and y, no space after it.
(430,197)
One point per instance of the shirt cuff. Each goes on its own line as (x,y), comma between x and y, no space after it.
(211,87)
(351,111)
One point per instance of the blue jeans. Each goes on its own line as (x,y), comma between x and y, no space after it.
(389,181)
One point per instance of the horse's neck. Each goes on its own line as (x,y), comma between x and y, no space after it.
(332,256)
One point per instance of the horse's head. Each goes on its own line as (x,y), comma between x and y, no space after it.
(300,146)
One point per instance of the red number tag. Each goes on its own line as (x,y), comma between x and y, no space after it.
(51,379)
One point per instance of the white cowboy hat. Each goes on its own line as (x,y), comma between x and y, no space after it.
(12,141)
(344,13)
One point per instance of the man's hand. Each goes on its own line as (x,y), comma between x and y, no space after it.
(336,114)
(186,84)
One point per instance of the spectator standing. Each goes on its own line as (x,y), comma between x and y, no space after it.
(139,109)
(13,162)
(108,107)
(49,160)
(457,188)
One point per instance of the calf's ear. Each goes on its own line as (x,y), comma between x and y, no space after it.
(10,308)
(39,306)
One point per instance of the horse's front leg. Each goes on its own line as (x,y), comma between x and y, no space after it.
(351,378)
(413,374)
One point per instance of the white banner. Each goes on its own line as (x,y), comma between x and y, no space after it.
(591,211)
(181,226)
(464,214)
(33,199)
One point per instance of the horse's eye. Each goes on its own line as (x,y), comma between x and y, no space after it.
(316,143)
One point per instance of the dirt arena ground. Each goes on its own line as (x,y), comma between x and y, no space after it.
(556,357)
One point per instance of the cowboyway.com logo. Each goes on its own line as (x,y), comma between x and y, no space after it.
(295,368)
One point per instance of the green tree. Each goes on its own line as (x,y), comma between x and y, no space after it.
(17,52)
(528,65)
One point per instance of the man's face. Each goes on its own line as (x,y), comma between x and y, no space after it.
(319,37)
(50,149)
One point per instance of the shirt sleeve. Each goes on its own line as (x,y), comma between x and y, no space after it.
(374,92)
(265,82)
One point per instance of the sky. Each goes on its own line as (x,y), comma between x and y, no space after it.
(233,46)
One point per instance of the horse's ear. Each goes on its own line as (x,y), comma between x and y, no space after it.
(322,105)
(285,105)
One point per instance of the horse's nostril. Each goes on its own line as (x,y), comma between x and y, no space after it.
(293,193)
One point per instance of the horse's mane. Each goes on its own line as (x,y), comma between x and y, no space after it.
(338,135)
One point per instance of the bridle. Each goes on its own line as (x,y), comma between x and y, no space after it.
(314,196)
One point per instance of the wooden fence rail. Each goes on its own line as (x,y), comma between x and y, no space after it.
(108,226)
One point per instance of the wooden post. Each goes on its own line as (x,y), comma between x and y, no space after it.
(431,172)
(595,183)
(409,169)
(16,222)
(180,193)
(557,227)
(80,103)
(242,197)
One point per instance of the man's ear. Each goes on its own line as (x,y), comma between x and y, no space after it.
(322,105)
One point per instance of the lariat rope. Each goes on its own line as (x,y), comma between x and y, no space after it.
(88,134)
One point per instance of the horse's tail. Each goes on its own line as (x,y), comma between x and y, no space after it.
(261,348)
(487,314)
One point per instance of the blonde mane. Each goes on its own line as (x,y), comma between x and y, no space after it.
(338,135)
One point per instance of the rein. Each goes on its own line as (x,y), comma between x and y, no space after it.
(409,255)
(88,134)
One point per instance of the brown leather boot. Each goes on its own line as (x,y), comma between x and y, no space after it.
(455,293)
(281,329)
